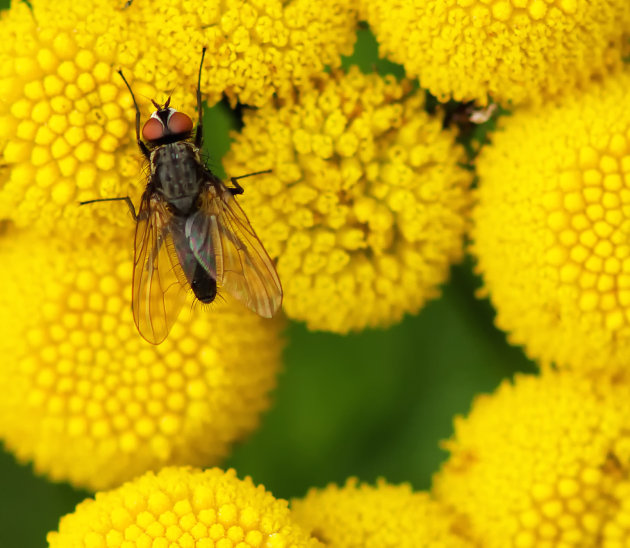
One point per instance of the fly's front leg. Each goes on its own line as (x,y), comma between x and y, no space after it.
(143,148)
(238,189)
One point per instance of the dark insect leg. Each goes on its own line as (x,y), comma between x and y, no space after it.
(125,199)
(238,189)
(199,131)
(141,145)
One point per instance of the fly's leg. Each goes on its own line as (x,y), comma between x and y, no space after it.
(199,131)
(125,199)
(143,148)
(238,189)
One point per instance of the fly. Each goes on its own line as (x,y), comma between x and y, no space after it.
(190,231)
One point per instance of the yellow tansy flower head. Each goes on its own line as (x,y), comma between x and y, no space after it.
(91,402)
(255,49)
(552,228)
(509,50)
(68,120)
(543,462)
(365,207)
(183,507)
(359,515)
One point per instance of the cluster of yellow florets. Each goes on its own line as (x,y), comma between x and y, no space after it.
(543,462)
(365,209)
(91,402)
(67,118)
(384,516)
(255,49)
(552,228)
(508,50)
(183,507)
(366,205)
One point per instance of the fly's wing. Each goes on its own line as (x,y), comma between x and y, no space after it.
(159,284)
(226,245)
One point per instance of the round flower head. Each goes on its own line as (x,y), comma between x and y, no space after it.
(68,119)
(543,462)
(91,402)
(552,232)
(255,49)
(182,507)
(376,517)
(365,206)
(509,50)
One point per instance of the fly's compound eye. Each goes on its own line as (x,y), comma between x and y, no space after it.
(178,122)
(166,121)
(153,129)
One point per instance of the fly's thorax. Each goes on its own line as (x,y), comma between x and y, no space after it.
(176,172)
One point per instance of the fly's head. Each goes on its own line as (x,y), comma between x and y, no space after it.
(166,125)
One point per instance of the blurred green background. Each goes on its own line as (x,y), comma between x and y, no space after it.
(373,404)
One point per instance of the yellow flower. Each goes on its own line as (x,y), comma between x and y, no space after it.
(359,515)
(68,120)
(182,507)
(91,402)
(255,49)
(552,228)
(366,206)
(543,462)
(510,50)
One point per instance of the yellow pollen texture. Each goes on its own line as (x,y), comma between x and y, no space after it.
(89,401)
(254,49)
(182,508)
(366,205)
(552,228)
(68,119)
(543,462)
(382,516)
(512,51)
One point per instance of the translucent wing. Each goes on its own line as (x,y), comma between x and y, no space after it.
(159,284)
(226,245)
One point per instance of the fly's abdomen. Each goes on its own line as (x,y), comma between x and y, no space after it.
(201,280)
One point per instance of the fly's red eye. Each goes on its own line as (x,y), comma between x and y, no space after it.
(152,130)
(179,123)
